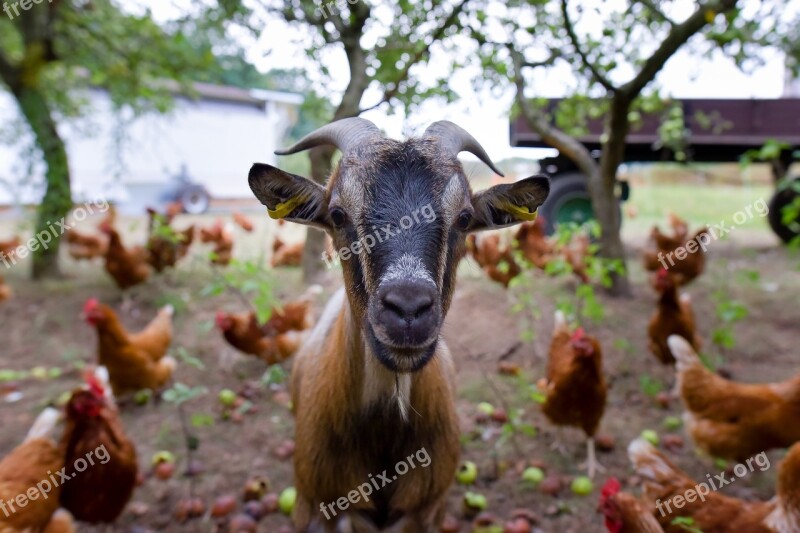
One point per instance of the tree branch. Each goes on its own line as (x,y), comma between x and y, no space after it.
(437,34)
(649,4)
(356,60)
(674,40)
(596,74)
(538,122)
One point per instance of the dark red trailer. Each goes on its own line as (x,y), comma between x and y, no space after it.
(717,131)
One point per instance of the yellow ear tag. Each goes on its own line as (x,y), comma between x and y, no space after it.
(285,208)
(521,212)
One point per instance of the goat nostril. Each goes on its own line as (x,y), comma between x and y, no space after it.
(423,310)
(394,308)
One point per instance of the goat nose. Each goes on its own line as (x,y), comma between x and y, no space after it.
(408,311)
(408,302)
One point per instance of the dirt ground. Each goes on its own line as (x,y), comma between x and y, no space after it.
(42,326)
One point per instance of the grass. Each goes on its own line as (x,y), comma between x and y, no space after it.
(699,204)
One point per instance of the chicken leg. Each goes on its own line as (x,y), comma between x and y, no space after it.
(591,465)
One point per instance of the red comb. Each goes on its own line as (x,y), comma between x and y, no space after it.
(95,385)
(611,487)
(578,335)
(90,305)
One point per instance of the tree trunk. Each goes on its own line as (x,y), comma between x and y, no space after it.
(321,157)
(57,200)
(602,188)
(313,265)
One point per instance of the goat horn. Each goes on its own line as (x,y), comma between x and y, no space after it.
(455,139)
(344,134)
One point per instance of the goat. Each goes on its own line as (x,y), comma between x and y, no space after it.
(374,382)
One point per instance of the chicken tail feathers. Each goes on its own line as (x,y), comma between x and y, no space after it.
(685,356)
(44,425)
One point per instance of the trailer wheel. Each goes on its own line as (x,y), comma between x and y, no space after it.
(568,201)
(195,199)
(783,197)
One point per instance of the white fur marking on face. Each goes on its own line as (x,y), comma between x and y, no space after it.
(407,267)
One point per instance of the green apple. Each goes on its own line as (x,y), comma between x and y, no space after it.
(162,457)
(54,373)
(672,423)
(467,473)
(227,397)
(650,436)
(142,397)
(533,475)
(582,486)
(287,500)
(474,500)
(486,408)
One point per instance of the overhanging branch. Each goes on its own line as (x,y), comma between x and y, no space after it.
(437,34)
(649,4)
(596,74)
(676,38)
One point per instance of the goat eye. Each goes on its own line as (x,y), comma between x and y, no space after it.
(338,217)
(464,220)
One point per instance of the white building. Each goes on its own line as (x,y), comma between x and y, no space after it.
(215,138)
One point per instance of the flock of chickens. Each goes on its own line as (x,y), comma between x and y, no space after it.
(725,419)
(127,362)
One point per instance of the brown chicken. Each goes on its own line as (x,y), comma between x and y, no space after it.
(684,257)
(134,361)
(85,247)
(735,420)
(127,266)
(680,228)
(575,385)
(673,316)
(243,332)
(243,222)
(223,242)
(95,434)
(715,512)
(294,315)
(496,260)
(286,255)
(27,469)
(533,242)
(624,513)
(165,245)
(5,291)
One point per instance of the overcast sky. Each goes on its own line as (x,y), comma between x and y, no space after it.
(485,116)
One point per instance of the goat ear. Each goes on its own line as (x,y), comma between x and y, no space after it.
(288,196)
(508,204)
